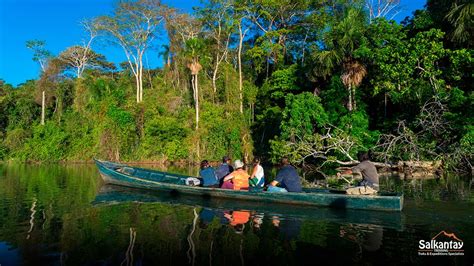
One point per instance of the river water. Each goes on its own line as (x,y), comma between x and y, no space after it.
(64,215)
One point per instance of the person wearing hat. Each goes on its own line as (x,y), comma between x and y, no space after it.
(224,169)
(238,179)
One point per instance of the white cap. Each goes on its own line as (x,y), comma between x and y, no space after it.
(238,164)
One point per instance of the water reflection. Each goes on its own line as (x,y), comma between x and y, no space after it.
(63,215)
(257,221)
(192,248)
(129,253)
(115,194)
(367,237)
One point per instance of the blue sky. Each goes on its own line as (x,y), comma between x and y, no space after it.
(57,22)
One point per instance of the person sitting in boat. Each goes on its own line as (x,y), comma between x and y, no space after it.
(208,175)
(287,178)
(257,177)
(238,179)
(224,169)
(370,178)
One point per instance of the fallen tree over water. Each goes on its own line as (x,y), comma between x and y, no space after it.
(411,153)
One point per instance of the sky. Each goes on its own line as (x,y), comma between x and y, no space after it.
(58,23)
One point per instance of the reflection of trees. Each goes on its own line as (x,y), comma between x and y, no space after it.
(314,232)
(447,187)
(129,254)
(366,237)
(32,218)
(67,225)
(34,199)
(192,248)
(163,233)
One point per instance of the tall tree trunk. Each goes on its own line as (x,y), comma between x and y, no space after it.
(195,86)
(59,108)
(354,104)
(214,74)
(349,103)
(42,108)
(197,101)
(141,80)
(198,150)
(219,58)
(194,83)
(117,154)
(137,82)
(239,58)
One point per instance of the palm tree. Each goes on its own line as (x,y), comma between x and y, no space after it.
(461,17)
(340,43)
(351,77)
(193,52)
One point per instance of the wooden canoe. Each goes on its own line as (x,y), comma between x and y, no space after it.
(135,177)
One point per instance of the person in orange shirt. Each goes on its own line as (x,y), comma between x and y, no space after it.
(238,179)
(238,219)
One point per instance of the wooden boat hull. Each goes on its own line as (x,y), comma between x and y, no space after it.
(162,181)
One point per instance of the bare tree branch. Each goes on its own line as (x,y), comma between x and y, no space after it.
(382,8)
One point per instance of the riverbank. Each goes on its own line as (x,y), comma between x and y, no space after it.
(404,170)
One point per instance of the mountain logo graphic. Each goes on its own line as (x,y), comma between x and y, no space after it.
(443,243)
(449,235)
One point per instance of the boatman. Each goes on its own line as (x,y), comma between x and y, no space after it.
(287,178)
(370,178)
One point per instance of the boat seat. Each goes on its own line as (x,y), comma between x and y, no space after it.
(156,177)
(164,178)
(127,170)
(142,174)
(170,179)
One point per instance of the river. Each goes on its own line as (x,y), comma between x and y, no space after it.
(64,215)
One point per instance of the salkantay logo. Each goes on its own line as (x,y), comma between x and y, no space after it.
(452,246)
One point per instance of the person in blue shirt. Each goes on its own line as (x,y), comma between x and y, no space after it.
(208,175)
(224,169)
(287,178)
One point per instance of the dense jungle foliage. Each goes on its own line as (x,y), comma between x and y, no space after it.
(313,80)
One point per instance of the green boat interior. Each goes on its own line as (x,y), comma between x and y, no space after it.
(172,178)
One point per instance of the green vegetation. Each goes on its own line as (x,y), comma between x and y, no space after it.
(313,80)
